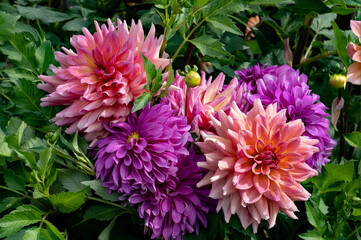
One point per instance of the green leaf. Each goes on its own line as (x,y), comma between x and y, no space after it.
(45,162)
(101,191)
(224,23)
(72,180)
(104,235)
(314,235)
(27,51)
(44,55)
(353,187)
(31,234)
(343,11)
(18,132)
(150,71)
(341,44)
(222,7)
(75,25)
(5,151)
(7,25)
(14,181)
(45,14)
(354,139)
(270,2)
(315,218)
(209,46)
(9,202)
(19,218)
(142,101)
(323,21)
(51,228)
(157,83)
(311,6)
(27,30)
(333,177)
(102,212)
(67,202)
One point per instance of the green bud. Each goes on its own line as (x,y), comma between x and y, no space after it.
(338,81)
(192,79)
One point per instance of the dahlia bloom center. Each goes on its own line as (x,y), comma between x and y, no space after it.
(134,135)
(265,160)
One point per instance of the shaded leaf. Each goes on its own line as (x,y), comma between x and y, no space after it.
(14,181)
(44,14)
(67,202)
(51,228)
(72,180)
(44,55)
(209,46)
(341,44)
(224,23)
(354,139)
(7,25)
(102,212)
(142,101)
(75,25)
(101,191)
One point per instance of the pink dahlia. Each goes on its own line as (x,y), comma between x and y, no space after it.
(102,78)
(205,99)
(354,52)
(256,163)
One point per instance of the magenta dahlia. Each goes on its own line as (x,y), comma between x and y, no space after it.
(142,151)
(178,206)
(101,79)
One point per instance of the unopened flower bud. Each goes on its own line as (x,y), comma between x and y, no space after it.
(338,81)
(192,79)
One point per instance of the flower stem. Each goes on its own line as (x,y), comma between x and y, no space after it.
(353,232)
(109,203)
(186,104)
(315,58)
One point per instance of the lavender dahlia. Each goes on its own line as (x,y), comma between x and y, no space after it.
(177,206)
(286,87)
(143,151)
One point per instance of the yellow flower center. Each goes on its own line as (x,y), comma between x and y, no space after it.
(133,135)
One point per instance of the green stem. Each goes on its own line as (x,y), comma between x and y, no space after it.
(185,107)
(353,232)
(309,48)
(24,195)
(109,203)
(315,58)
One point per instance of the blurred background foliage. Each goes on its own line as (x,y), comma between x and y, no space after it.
(47,184)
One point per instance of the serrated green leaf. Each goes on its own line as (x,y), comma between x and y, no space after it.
(341,44)
(67,202)
(323,21)
(209,46)
(354,139)
(333,177)
(311,6)
(7,25)
(75,25)
(342,10)
(27,30)
(17,219)
(51,228)
(35,144)
(353,187)
(224,23)
(222,7)
(32,234)
(102,212)
(101,191)
(142,101)
(45,14)
(14,181)
(44,55)
(45,162)
(27,50)
(72,180)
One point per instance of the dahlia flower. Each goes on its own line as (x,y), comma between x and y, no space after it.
(143,151)
(256,163)
(102,78)
(178,206)
(354,52)
(284,86)
(205,99)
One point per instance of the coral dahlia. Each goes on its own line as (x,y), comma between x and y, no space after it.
(205,99)
(142,151)
(101,79)
(354,52)
(286,87)
(256,163)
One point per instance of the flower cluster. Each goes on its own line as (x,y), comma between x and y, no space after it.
(286,87)
(258,137)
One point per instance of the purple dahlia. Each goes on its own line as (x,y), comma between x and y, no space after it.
(143,151)
(178,206)
(285,86)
